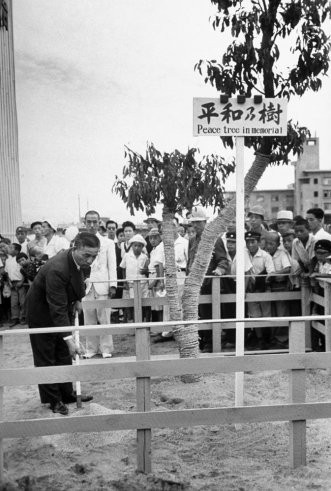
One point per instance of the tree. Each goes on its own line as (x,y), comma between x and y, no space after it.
(177,181)
(251,63)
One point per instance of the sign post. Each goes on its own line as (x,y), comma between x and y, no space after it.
(239,117)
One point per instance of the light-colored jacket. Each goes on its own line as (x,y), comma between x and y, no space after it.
(103,268)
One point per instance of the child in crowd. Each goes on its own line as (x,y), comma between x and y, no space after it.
(27,268)
(303,244)
(18,290)
(135,266)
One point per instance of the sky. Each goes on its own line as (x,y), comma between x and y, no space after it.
(95,75)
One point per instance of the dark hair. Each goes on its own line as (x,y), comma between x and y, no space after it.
(17,247)
(35,223)
(302,221)
(21,255)
(119,231)
(317,212)
(111,221)
(128,224)
(86,239)
(92,212)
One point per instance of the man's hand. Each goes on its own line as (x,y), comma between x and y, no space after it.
(78,307)
(74,349)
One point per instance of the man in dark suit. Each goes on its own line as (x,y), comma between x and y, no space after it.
(52,300)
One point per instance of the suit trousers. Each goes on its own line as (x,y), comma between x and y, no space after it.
(51,350)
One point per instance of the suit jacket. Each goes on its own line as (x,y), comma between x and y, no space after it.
(56,287)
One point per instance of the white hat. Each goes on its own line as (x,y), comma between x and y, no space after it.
(138,238)
(52,226)
(285,215)
(198,214)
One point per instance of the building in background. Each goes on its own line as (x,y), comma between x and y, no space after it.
(311,189)
(10,192)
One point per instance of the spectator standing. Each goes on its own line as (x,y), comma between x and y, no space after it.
(152,223)
(21,236)
(156,272)
(135,266)
(111,227)
(54,243)
(18,291)
(256,216)
(284,221)
(280,308)
(315,217)
(37,246)
(101,285)
(262,265)
(129,230)
(303,244)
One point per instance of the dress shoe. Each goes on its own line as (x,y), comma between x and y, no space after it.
(60,408)
(73,398)
(14,323)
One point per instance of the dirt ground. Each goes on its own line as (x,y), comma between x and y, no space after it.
(249,457)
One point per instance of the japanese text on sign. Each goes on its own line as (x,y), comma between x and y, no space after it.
(211,117)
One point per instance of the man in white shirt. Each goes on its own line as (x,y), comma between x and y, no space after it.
(262,264)
(101,285)
(315,218)
(303,244)
(54,243)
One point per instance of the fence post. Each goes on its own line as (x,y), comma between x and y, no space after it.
(327,311)
(216,312)
(143,385)
(297,395)
(1,413)
(305,308)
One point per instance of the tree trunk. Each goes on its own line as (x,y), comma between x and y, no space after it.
(186,336)
(211,232)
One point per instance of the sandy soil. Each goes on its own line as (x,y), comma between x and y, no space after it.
(253,456)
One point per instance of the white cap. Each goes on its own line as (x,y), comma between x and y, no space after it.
(198,214)
(285,215)
(138,238)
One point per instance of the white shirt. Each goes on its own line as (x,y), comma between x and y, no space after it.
(13,269)
(233,267)
(133,264)
(281,260)
(261,261)
(321,235)
(103,268)
(301,252)
(156,257)
(55,245)
(181,252)
(24,246)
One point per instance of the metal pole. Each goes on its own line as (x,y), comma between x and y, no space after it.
(240,265)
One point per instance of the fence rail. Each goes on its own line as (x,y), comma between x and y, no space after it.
(297,411)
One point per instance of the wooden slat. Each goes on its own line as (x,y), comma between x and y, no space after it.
(165,419)
(297,394)
(166,367)
(143,388)
(318,326)
(317,299)
(216,314)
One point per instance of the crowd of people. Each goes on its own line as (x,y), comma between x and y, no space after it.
(277,256)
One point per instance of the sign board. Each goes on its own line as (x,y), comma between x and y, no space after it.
(213,118)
